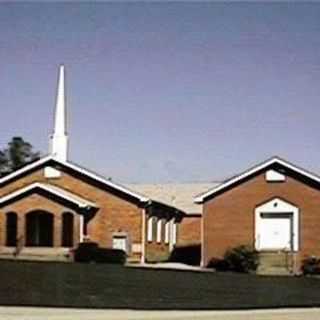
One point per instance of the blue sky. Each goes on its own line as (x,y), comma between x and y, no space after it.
(162,92)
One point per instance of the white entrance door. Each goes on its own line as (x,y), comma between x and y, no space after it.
(120,242)
(276,233)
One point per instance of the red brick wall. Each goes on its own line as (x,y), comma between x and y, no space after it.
(156,251)
(228,219)
(190,230)
(115,214)
(37,202)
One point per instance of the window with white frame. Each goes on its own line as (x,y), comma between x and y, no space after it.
(120,241)
(159,231)
(150,229)
(167,232)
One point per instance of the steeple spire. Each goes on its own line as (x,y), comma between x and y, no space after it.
(59,137)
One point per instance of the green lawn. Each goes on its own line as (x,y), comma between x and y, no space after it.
(111,286)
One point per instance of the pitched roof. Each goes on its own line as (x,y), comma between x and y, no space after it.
(57,191)
(49,159)
(178,195)
(202,197)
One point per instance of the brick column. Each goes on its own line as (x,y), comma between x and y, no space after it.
(21,230)
(2,228)
(57,230)
(76,229)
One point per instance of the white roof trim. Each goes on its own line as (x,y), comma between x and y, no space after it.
(76,168)
(202,197)
(82,203)
(25,169)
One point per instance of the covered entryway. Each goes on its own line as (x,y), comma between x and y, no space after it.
(277,236)
(276,226)
(39,229)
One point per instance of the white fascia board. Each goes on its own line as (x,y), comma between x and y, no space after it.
(82,203)
(200,199)
(25,169)
(76,168)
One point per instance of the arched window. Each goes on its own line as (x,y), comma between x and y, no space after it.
(39,229)
(11,229)
(67,229)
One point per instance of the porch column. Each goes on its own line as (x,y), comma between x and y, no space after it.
(57,230)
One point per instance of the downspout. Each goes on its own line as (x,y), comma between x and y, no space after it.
(202,242)
(143,234)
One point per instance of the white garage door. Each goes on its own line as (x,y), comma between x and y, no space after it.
(276,233)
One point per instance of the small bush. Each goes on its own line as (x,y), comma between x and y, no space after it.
(219,264)
(187,254)
(115,256)
(85,252)
(311,265)
(242,259)
(90,252)
(239,259)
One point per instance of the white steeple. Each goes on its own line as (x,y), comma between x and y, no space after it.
(59,137)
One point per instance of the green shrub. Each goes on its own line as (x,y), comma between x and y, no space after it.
(239,259)
(85,252)
(242,259)
(311,265)
(190,254)
(90,252)
(219,264)
(115,256)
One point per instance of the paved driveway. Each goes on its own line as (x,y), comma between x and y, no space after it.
(14,313)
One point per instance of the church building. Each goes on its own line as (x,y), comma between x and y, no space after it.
(51,205)
(273,207)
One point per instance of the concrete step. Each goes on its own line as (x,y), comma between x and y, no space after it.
(275,263)
(36,254)
(274,271)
